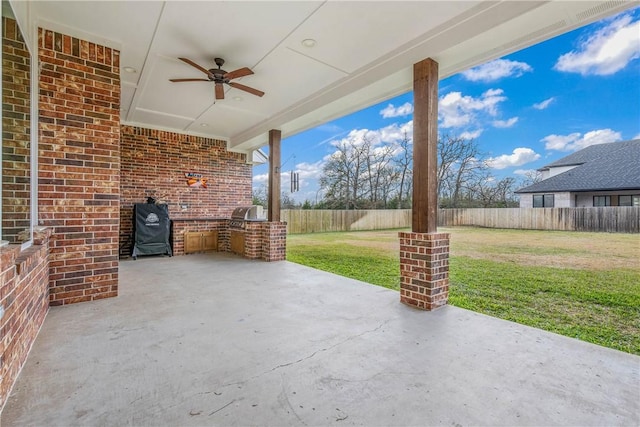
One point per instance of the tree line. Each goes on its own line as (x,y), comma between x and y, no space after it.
(364,175)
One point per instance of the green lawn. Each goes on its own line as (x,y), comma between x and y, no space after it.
(559,282)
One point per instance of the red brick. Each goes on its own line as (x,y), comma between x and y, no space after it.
(80,157)
(424,269)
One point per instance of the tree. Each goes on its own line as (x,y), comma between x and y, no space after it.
(460,168)
(530,177)
(404,165)
(259,196)
(343,174)
(364,175)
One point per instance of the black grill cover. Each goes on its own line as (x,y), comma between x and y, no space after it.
(151,228)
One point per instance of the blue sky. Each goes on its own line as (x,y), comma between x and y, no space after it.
(524,110)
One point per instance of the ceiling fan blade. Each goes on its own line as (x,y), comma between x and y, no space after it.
(219,91)
(189,80)
(193,64)
(240,72)
(251,90)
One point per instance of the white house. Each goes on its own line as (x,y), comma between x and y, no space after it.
(599,175)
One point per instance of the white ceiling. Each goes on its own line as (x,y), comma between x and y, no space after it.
(364,53)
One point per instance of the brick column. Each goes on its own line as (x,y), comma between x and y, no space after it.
(274,244)
(79,165)
(424,269)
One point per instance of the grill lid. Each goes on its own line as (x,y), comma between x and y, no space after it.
(240,212)
(254,212)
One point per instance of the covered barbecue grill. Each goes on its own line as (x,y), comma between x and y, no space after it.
(151,230)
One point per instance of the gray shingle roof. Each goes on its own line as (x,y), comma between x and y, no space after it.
(612,166)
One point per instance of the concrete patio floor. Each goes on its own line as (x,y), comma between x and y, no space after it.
(213,339)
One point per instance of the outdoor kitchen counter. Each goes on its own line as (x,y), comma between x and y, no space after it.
(200,224)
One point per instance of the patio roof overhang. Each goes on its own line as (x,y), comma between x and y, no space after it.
(363,53)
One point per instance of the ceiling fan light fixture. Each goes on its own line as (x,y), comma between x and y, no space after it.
(237,98)
(308,43)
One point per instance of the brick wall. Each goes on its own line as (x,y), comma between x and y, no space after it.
(153,164)
(24,301)
(424,269)
(274,241)
(253,237)
(79,165)
(16,117)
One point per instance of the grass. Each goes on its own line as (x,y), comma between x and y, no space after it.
(582,285)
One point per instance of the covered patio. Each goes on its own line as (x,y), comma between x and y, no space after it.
(215,339)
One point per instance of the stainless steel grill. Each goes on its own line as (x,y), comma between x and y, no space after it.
(242,214)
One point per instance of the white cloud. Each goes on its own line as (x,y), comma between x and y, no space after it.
(310,170)
(576,141)
(308,174)
(505,123)
(519,157)
(471,134)
(495,70)
(544,104)
(606,51)
(401,111)
(525,172)
(636,137)
(386,135)
(456,110)
(261,179)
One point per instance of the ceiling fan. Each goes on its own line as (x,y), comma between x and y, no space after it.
(220,76)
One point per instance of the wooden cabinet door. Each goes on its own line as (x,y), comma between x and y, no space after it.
(237,242)
(192,242)
(210,241)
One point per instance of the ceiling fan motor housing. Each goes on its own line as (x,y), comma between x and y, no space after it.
(218,72)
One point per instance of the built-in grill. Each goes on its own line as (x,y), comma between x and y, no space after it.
(238,226)
(242,214)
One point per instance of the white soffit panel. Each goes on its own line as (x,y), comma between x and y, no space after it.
(350,35)
(224,118)
(159,119)
(289,77)
(240,32)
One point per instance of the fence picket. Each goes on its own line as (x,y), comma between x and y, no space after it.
(623,219)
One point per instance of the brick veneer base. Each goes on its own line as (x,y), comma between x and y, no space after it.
(274,241)
(265,240)
(24,297)
(424,269)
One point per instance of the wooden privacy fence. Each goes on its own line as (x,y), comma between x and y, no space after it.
(606,219)
(624,219)
(317,221)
